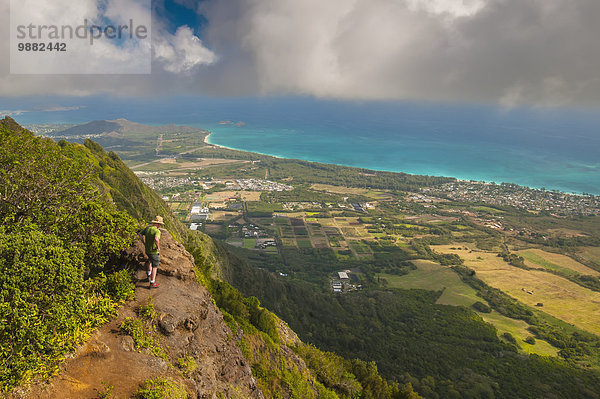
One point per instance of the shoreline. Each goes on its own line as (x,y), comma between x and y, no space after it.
(460,180)
(206,141)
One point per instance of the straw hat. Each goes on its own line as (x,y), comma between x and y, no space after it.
(158,220)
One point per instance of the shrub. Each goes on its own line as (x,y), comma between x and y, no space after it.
(43,309)
(187,364)
(159,388)
(481,307)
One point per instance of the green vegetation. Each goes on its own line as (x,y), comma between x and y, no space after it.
(187,364)
(262,342)
(414,337)
(58,236)
(160,388)
(433,277)
(141,337)
(405,331)
(106,391)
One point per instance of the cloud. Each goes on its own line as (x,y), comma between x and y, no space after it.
(16,112)
(510,52)
(181,52)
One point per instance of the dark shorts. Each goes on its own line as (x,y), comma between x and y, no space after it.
(154,259)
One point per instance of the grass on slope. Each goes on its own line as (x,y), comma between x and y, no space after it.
(557,262)
(560,297)
(431,276)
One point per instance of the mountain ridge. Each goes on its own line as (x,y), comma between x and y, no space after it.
(263,339)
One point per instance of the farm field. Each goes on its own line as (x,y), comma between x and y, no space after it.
(552,261)
(224,215)
(431,276)
(560,297)
(352,191)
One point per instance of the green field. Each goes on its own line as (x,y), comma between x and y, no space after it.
(431,276)
(304,243)
(518,329)
(556,262)
(249,243)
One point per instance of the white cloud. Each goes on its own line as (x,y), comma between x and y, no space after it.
(181,52)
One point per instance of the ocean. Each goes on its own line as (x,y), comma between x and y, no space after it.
(557,149)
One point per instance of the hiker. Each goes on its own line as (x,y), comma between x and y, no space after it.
(150,236)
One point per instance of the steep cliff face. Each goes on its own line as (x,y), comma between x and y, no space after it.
(191,345)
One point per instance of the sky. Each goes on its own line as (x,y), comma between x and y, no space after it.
(506,53)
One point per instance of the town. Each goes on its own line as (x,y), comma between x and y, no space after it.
(535,200)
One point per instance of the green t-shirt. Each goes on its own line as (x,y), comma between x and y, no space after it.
(151,233)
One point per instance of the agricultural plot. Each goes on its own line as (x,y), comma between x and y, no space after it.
(236,242)
(335,240)
(374,194)
(320,243)
(431,276)
(224,215)
(304,243)
(180,206)
(560,297)
(300,231)
(250,195)
(288,242)
(561,263)
(297,221)
(287,231)
(360,248)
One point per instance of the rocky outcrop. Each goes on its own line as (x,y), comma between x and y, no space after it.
(188,325)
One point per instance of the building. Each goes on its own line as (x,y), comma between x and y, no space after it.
(343,275)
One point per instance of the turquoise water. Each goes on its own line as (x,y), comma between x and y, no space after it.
(460,157)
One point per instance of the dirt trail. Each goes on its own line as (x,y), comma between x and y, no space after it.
(189,324)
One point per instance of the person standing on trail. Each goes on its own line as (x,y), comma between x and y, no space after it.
(150,236)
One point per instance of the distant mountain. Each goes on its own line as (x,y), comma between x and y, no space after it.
(120,127)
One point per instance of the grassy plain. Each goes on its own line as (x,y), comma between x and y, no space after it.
(374,194)
(560,297)
(590,253)
(552,261)
(431,276)
(518,329)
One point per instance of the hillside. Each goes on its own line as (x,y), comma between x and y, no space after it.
(191,347)
(72,211)
(121,127)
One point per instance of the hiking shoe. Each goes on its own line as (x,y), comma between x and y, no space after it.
(145,280)
(154,285)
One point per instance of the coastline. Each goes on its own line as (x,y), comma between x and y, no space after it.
(458,179)
(207,141)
